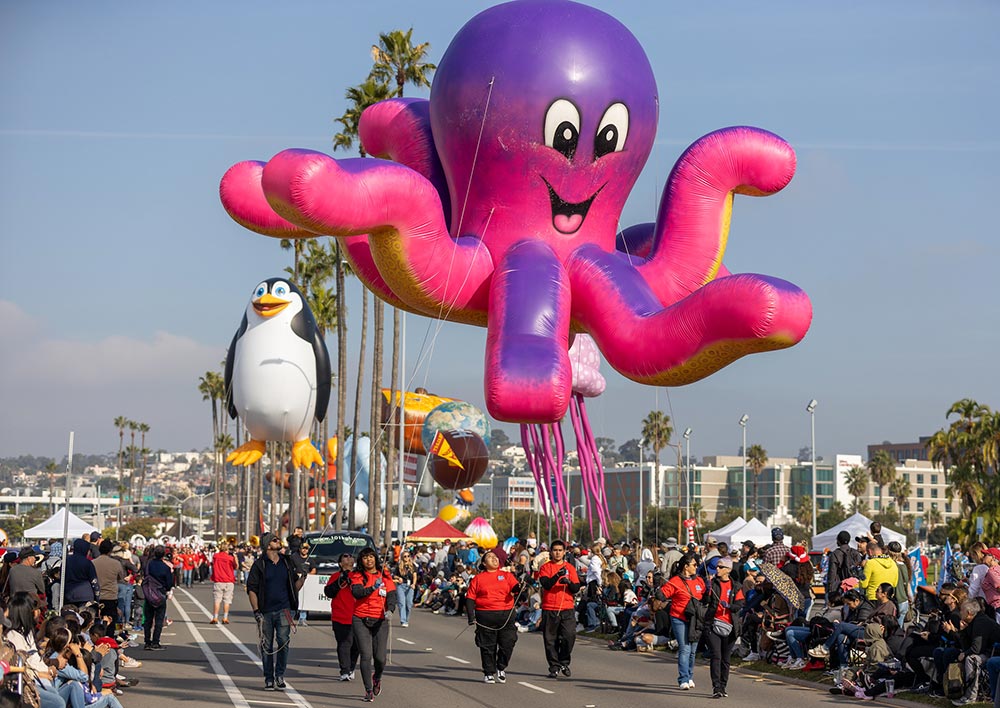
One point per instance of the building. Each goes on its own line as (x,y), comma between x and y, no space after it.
(901,452)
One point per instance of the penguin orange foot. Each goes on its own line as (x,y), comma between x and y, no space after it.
(304,455)
(247,453)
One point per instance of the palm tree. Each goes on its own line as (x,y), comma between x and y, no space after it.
(51,468)
(396,58)
(143,429)
(223,443)
(804,511)
(757,460)
(900,490)
(133,428)
(882,469)
(857,485)
(213,389)
(359,98)
(656,430)
(933,518)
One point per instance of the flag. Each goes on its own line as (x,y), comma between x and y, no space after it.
(441,448)
(945,573)
(917,578)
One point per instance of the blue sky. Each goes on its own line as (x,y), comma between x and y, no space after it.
(122,279)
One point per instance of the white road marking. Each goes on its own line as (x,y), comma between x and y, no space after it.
(270,703)
(404,641)
(296,697)
(537,688)
(428,648)
(220,673)
(455,658)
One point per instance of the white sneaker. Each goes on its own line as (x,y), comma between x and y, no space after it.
(344,677)
(404,624)
(522,628)
(686,686)
(579,627)
(501,677)
(752,656)
(820,652)
(690,684)
(489,678)
(350,676)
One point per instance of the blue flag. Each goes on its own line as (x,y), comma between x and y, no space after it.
(917,578)
(945,573)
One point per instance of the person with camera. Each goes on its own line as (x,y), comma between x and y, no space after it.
(273,587)
(560,583)
(375,599)
(489,603)
(686,590)
(724,602)
(338,589)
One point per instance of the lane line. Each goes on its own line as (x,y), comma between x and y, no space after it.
(455,658)
(227,682)
(270,703)
(289,691)
(404,641)
(537,688)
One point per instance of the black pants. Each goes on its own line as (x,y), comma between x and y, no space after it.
(558,635)
(153,622)
(496,635)
(109,608)
(722,649)
(347,648)
(371,643)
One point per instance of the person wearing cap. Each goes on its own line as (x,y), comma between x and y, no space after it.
(25,576)
(273,588)
(489,603)
(724,601)
(670,556)
(991,581)
(560,583)
(777,552)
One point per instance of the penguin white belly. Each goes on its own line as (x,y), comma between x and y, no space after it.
(274,384)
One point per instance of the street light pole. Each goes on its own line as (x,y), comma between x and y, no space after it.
(811,410)
(642,444)
(743,425)
(687,459)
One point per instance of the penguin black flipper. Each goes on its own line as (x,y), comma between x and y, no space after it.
(324,374)
(230,358)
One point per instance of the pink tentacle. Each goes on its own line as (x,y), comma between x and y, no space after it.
(561,494)
(693,221)
(560,457)
(583,458)
(602,498)
(533,466)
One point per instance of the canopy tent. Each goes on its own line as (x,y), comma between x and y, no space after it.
(738,522)
(52,527)
(857,525)
(437,531)
(752,530)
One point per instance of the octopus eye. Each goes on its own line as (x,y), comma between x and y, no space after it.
(612,131)
(562,127)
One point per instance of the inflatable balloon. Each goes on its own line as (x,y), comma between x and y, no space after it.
(362,469)
(331,460)
(454,415)
(466,496)
(480,531)
(452,513)
(416,407)
(138,541)
(458,458)
(498,201)
(277,374)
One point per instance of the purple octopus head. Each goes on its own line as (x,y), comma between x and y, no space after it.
(543,113)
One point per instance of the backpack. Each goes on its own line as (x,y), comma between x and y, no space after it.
(152,591)
(849,567)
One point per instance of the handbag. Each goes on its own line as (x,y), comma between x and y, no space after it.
(152,591)
(694,611)
(953,683)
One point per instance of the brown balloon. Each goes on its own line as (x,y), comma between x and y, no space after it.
(459,458)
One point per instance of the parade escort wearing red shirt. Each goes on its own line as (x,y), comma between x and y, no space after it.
(370,600)
(558,596)
(725,588)
(680,591)
(338,589)
(492,590)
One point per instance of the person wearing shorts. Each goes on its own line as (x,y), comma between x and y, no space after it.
(223,581)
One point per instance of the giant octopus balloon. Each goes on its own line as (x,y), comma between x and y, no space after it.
(498,201)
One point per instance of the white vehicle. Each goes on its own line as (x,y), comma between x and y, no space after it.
(325,549)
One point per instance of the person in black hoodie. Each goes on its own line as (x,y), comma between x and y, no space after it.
(153,614)
(81,576)
(852,628)
(843,561)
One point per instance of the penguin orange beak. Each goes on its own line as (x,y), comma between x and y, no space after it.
(268,305)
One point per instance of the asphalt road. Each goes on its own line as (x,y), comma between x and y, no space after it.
(433,662)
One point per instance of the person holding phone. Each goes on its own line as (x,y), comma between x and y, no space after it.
(560,583)
(375,599)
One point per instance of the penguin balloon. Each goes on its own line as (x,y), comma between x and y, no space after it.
(277,374)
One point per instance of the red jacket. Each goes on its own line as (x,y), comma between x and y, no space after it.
(371,602)
(680,591)
(492,590)
(341,600)
(557,595)
(223,568)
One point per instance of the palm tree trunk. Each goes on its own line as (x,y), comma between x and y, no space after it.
(351,470)
(375,467)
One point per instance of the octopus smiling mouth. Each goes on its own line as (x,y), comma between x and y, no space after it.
(567,217)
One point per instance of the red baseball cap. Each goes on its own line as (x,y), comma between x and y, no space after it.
(995,552)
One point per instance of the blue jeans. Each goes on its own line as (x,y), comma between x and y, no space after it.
(49,697)
(685,651)
(904,607)
(275,627)
(125,592)
(592,619)
(993,671)
(72,693)
(404,597)
(795,637)
(843,634)
(187,578)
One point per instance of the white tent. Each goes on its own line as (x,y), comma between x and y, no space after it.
(753,530)
(738,522)
(52,527)
(857,525)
